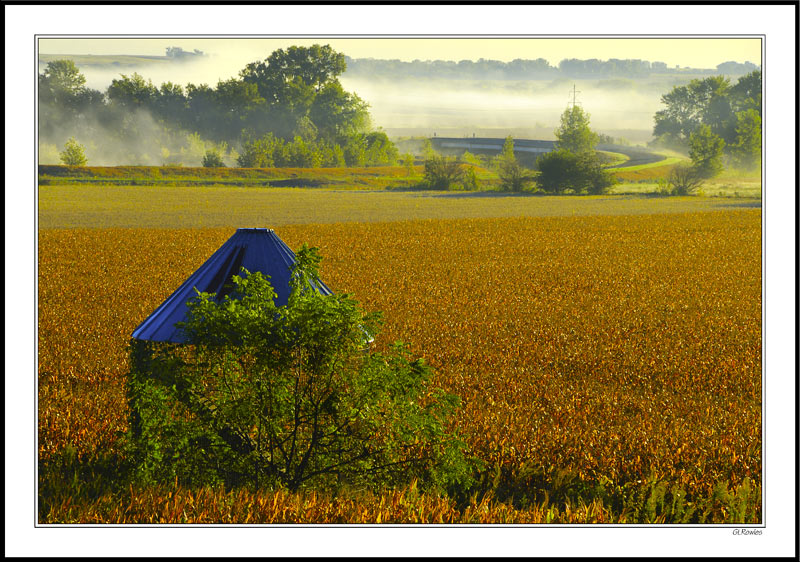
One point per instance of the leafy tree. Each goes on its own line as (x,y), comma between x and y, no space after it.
(260,153)
(747,148)
(65,101)
(711,101)
(470,179)
(63,76)
(557,171)
(380,151)
(170,103)
(574,133)
(235,104)
(705,150)
(289,396)
(513,177)
(408,163)
(302,154)
(427,150)
(746,93)
(73,154)
(560,170)
(474,159)
(132,92)
(442,172)
(596,179)
(213,159)
(312,66)
(678,120)
(337,113)
(291,80)
(507,152)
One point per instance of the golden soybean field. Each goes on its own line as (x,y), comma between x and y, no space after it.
(599,351)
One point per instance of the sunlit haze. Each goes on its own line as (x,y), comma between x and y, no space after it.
(405,105)
(684,52)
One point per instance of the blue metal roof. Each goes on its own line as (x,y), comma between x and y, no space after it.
(256,249)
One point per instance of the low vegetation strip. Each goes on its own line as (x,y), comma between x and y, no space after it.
(610,365)
(121,174)
(91,206)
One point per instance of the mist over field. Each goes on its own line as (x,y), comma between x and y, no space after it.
(402,106)
(497,108)
(619,107)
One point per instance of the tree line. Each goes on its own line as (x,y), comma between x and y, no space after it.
(292,101)
(716,116)
(524,69)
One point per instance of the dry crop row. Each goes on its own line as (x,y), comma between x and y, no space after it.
(621,349)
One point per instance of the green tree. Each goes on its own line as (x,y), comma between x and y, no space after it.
(305,129)
(302,154)
(132,92)
(561,170)
(513,177)
(64,75)
(73,154)
(291,80)
(408,163)
(261,153)
(507,152)
(474,159)
(337,113)
(470,180)
(705,150)
(746,93)
(234,105)
(380,151)
(746,150)
(213,159)
(427,150)
(61,82)
(355,150)
(442,172)
(574,133)
(711,101)
(289,396)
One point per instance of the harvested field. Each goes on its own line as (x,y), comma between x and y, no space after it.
(596,356)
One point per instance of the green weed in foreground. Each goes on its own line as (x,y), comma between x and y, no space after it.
(79,489)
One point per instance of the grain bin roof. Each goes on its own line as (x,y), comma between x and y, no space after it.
(256,249)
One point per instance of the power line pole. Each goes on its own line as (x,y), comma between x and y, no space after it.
(574,96)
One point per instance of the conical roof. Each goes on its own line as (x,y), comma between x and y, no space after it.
(256,249)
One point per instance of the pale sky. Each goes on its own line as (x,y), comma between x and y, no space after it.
(691,52)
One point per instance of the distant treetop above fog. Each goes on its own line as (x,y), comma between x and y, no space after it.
(528,69)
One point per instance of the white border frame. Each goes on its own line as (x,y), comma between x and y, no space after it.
(779,226)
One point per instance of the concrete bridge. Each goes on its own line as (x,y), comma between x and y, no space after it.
(482,145)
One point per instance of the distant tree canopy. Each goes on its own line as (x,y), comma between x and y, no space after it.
(523,69)
(732,113)
(293,93)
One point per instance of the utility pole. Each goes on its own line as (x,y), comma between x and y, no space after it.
(574,93)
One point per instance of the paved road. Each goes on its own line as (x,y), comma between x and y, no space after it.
(532,148)
(637,155)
